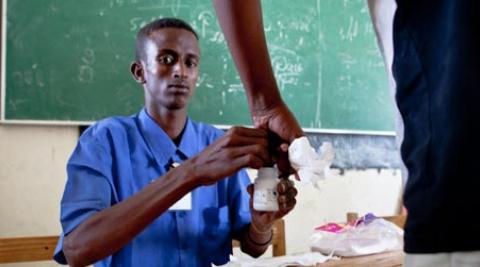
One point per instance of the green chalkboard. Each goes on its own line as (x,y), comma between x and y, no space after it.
(68,61)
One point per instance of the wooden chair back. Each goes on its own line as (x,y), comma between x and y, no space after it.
(278,239)
(23,249)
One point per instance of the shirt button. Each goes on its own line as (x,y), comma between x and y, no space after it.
(181,214)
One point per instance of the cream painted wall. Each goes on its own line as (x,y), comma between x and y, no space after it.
(32,177)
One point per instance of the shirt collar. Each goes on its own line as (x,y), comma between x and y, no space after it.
(162,146)
(189,145)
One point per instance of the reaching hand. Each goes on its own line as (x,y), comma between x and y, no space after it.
(239,148)
(280,121)
(263,220)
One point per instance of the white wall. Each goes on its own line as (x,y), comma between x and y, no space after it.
(32,177)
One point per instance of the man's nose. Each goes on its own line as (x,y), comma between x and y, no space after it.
(179,70)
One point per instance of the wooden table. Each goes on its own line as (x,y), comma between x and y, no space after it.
(387,259)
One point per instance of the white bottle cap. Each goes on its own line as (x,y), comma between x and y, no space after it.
(265,172)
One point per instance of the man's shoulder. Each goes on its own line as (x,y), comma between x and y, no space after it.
(114,125)
(207,130)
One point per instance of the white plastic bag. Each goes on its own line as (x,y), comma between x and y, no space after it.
(311,166)
(368,235)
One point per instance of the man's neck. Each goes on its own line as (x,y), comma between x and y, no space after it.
(172,122)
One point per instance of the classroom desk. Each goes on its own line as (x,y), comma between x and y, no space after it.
(387,259)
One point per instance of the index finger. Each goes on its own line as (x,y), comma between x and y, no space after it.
(251,132)
(284,185)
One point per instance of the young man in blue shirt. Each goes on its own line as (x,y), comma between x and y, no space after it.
(122,180)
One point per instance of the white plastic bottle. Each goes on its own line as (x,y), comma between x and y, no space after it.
(265,190)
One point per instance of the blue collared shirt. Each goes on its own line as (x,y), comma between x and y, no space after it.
(118,157)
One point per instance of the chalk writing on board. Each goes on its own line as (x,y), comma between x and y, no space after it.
(217,37)
(351,32)
(295,25)
(39,78)
(85,71)
(85,74)
(88,56)
(54,8)
(368,29)
(206,18)
(138,22)
(314,46)
(235,88)
(176,4)
(200,79)
(286,65)
(205,25)
(347,59)
(224,98)
(114,3)
(29,77)
(173,7)
(285,71)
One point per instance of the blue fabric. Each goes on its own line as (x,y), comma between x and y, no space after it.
(437,70)
(119,156)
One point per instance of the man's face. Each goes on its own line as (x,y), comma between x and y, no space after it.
(170,64)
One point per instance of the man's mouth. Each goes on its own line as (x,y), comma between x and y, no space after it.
(181,88)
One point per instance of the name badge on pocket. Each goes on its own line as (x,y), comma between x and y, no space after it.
(185,203)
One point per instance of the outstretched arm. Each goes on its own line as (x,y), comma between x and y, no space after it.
(242,25)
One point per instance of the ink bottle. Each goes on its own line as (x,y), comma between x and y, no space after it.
(265,189)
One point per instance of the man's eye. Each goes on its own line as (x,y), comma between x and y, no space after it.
(166,59)
(191,64)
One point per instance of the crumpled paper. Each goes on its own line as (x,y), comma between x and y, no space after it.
(304,259)
(310,165)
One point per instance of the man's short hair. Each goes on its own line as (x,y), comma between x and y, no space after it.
(145,32)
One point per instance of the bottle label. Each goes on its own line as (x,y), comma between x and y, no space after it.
(265,199)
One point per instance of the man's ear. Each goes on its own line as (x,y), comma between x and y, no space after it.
(138,72)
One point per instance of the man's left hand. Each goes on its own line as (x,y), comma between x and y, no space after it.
(263,220)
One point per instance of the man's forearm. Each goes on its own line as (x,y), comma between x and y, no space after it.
(109,230)
(242,25)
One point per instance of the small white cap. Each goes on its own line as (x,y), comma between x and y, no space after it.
(267,172)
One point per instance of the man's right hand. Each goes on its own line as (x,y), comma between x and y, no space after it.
(242,20)
(280,121)
(240,147)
